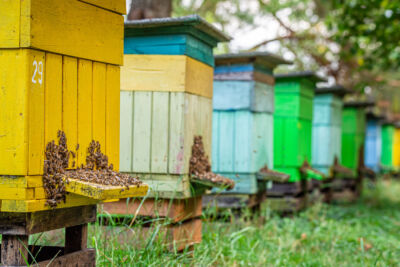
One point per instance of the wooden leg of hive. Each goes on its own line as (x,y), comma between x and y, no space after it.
(75,238)
(14,250)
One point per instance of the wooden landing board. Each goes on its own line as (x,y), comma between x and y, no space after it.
(173,209)
(158,129)
(51,26)
(45,93)
(176,237)
(245,183)
(104,192)
(164,73)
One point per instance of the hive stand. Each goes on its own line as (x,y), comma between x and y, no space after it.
(166,100)
(327,133)
(243,108)
(294,95)
(16,228)
(373,141)
(349,188)
(54,77)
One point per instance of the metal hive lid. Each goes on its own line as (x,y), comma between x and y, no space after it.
(264,58)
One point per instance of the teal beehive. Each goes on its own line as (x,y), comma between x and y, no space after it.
(327,127)
(243,107)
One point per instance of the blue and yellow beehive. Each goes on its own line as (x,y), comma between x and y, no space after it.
(166,100)
(60,71)
(327,127)
(243,108)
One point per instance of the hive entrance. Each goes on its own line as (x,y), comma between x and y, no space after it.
(97,170)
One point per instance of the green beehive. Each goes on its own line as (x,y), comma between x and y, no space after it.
(388,131)
(294,95)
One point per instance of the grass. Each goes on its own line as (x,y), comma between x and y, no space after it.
(361,234)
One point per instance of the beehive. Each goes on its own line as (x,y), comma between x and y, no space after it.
(59,72)
(353,133)
(327,127)
(373,142)
(388,131)
(294,95)
(243,107)
(396,147)
(166,99)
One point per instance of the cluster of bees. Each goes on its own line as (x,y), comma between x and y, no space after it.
(200,167)
(97,170)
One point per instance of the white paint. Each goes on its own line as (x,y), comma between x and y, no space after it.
(38,71)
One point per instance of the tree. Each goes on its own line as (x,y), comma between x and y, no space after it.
(148,9)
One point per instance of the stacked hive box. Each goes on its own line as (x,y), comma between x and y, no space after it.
(396,148)
(353,138)
(373,142)
(388,132)
(243,107)
(59,63)
(294,95)
(166,100)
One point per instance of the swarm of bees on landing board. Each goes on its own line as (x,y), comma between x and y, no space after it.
(200,166)
(97,170)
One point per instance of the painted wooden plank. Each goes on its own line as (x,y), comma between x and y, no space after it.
(15,193)
(396,148)
(191,109)
(322,145)
(85,108)
(176,136)
(215,141)
(70,103)
(232,95)
(244,151)
(126,131)
(10,23)
(177,44)
(262,139)
(99,104)
(36,113)
(142,131)
(227,143)
(21,181)
(160,132)
(53,96)
(263,98)
(244,184)
(204,127)
(174,74)
(112,114)
(51,26)
(117,6)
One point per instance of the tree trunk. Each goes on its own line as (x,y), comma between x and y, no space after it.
(148,9)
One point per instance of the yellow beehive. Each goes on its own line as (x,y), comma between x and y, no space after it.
(59,63)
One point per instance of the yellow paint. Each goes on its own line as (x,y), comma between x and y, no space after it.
(99,103)
(166,73)
(112,114)
(396,148)
(103,192)
(40,193)
(15,82)
(85,92)
(53,96)
(72,200)
(52,26)
(16,193)
(9,25)
(21,181)
(117,6)
(36,112)
(70,103)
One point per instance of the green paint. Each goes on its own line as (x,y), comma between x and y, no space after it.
(387,146)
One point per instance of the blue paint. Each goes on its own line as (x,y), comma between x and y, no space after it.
(237,68)
(180,44)
(245,183)
(327,131)
(373,145)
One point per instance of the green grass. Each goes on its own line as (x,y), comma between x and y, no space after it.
(362,234)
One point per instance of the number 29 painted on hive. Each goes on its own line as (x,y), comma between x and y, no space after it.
(38,72)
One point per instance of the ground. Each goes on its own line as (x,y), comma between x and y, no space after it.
(362,234)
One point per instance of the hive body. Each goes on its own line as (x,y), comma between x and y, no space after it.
(293,124)
(353,136)
(396,148)
(166,100)
(243,110)
(55,77)
(373,144)
(326,131)
(388,131)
